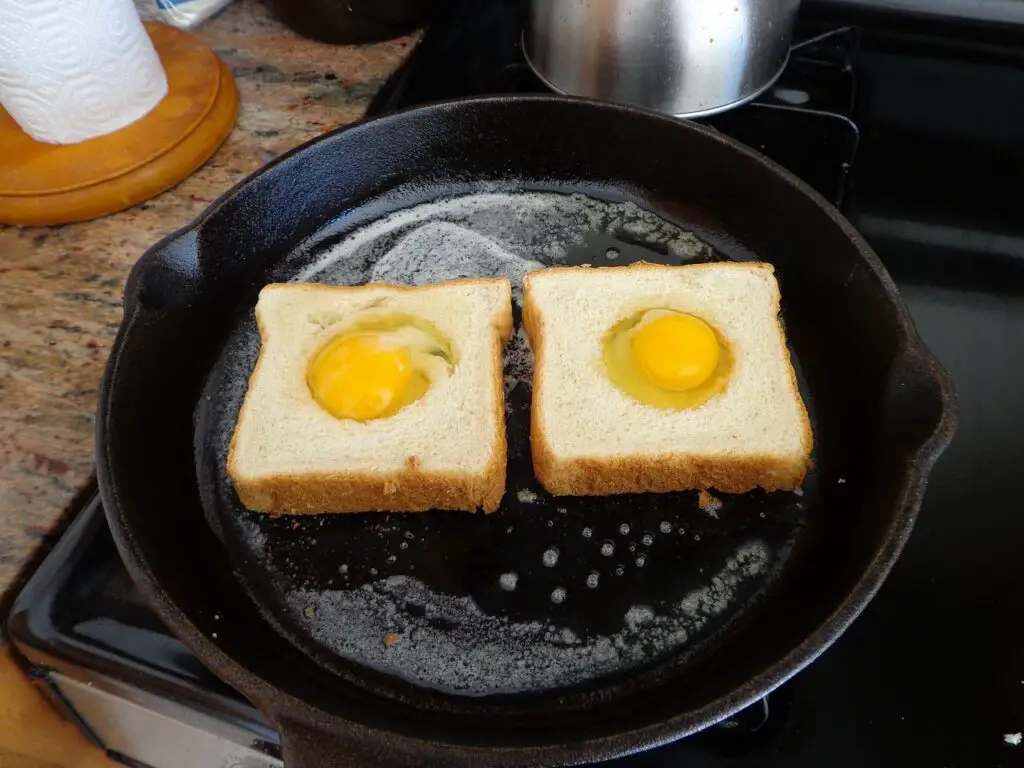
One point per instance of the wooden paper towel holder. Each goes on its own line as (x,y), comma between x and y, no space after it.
(43,184)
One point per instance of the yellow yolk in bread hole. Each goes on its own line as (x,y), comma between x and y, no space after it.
(667,359)
(376,368)
(675,351)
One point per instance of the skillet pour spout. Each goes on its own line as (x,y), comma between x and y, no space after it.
(219,576)
(922,405)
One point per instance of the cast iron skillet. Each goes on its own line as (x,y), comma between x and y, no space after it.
(882,409)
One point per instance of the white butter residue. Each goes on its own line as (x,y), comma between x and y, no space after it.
(526,496)
(451,644)
(490,234)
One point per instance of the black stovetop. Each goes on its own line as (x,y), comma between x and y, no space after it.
(933,673)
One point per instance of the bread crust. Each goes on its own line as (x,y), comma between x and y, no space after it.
(592,476)
(406,490)
(662,472)
(409,489)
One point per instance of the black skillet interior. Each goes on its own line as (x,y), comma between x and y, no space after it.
(572,600)
(881,409)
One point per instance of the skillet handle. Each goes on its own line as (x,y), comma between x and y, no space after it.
(306,746)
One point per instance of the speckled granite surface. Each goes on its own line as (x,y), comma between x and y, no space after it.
(60,288)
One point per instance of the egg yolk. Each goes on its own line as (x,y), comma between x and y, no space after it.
(667,359)
(357,377)
(676,352)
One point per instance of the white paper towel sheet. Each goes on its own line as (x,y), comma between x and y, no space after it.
(71,70)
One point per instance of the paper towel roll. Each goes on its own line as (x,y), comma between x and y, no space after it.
(71,70)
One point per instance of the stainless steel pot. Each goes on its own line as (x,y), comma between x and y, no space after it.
(684,57)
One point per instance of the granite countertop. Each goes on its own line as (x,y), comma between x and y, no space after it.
(60,287)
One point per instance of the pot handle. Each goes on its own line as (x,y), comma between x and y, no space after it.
(837,33)
(307,746)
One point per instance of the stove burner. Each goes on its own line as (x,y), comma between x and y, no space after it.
(752,730)
(747,721)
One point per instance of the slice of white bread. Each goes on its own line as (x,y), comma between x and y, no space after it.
(445,451)
(588,437)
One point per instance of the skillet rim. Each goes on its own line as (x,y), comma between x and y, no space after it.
(287,711)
